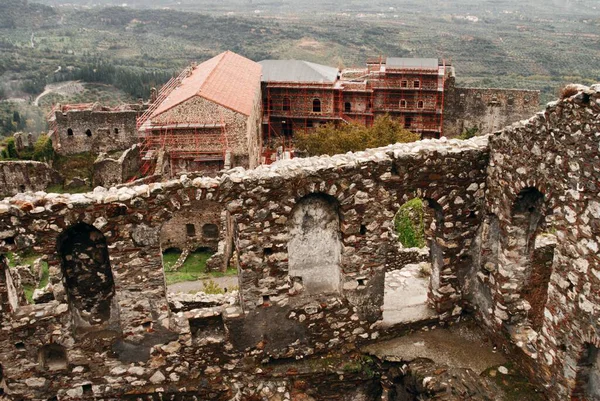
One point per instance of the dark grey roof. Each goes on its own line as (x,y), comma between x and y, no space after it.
(297,71)
(398,62)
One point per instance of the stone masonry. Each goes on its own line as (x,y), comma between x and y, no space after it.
(506,208)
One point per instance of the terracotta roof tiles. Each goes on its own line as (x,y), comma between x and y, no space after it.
(227,79)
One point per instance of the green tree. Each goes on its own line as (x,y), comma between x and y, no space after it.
(330,140)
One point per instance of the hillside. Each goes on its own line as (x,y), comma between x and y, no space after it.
(491,43)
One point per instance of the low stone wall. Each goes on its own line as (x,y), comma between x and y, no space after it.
(22,176)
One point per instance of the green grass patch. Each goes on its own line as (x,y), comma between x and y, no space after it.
(27,259)
(409,224)
(193,269)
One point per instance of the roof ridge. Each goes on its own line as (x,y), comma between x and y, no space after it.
(216,67)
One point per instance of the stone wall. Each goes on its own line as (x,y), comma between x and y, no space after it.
(22,176)
(109,171)
(95,130)
(488,110)
(199,227)
(279,313)
(540,242)
(513,238)
(242,135)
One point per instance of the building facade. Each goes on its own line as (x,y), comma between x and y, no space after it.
(206,119)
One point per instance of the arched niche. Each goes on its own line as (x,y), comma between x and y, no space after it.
(314,247)
(87,275)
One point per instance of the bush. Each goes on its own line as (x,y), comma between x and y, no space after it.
(329,140)
(409,224)
(10,149)
(469,133)
(42,149)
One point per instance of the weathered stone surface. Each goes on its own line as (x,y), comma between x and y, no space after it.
(111,312)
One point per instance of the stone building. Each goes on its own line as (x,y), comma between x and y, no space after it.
(513,246)
(78,128)
(206,119)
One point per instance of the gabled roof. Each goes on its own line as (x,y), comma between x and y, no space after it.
(399,62)
(297,71)
(227,79)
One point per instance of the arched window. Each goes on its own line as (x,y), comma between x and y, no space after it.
(347,107)
(316,106)
(87,275)
(314,246)
(88,132)
(403,104)
(286,104)
(420,104)
(417,84)
(69,132)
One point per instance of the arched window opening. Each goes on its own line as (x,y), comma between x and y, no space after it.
(403,104)
(69,132)
(286,104)
(420,104)
(88,132)
(418,226)
(53,357)
(347,107)
(87,274)
(529,254)
(587,380)
(314,247)
(316,106)
(210,230)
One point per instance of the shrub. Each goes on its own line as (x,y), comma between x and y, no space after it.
(409,224)
(329,140)
(42,149)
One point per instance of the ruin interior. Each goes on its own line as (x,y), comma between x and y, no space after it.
(513,283)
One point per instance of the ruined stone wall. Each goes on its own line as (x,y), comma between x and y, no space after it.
(540,241)
(204,217)
(94,131)
(109,171)
(277,316)
(21,176)
(488,110)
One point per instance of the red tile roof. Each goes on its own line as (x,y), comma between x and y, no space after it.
(227,79)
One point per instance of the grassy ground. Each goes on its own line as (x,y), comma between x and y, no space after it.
(193,269)
(28,259)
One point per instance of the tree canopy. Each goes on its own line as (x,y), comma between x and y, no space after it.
(330,140)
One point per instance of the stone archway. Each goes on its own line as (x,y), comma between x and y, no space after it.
(315,247)
(87,274)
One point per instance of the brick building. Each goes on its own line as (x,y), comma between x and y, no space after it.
(206,119)
(419,92)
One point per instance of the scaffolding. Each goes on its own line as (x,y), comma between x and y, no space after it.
(412,94)
(199,142)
